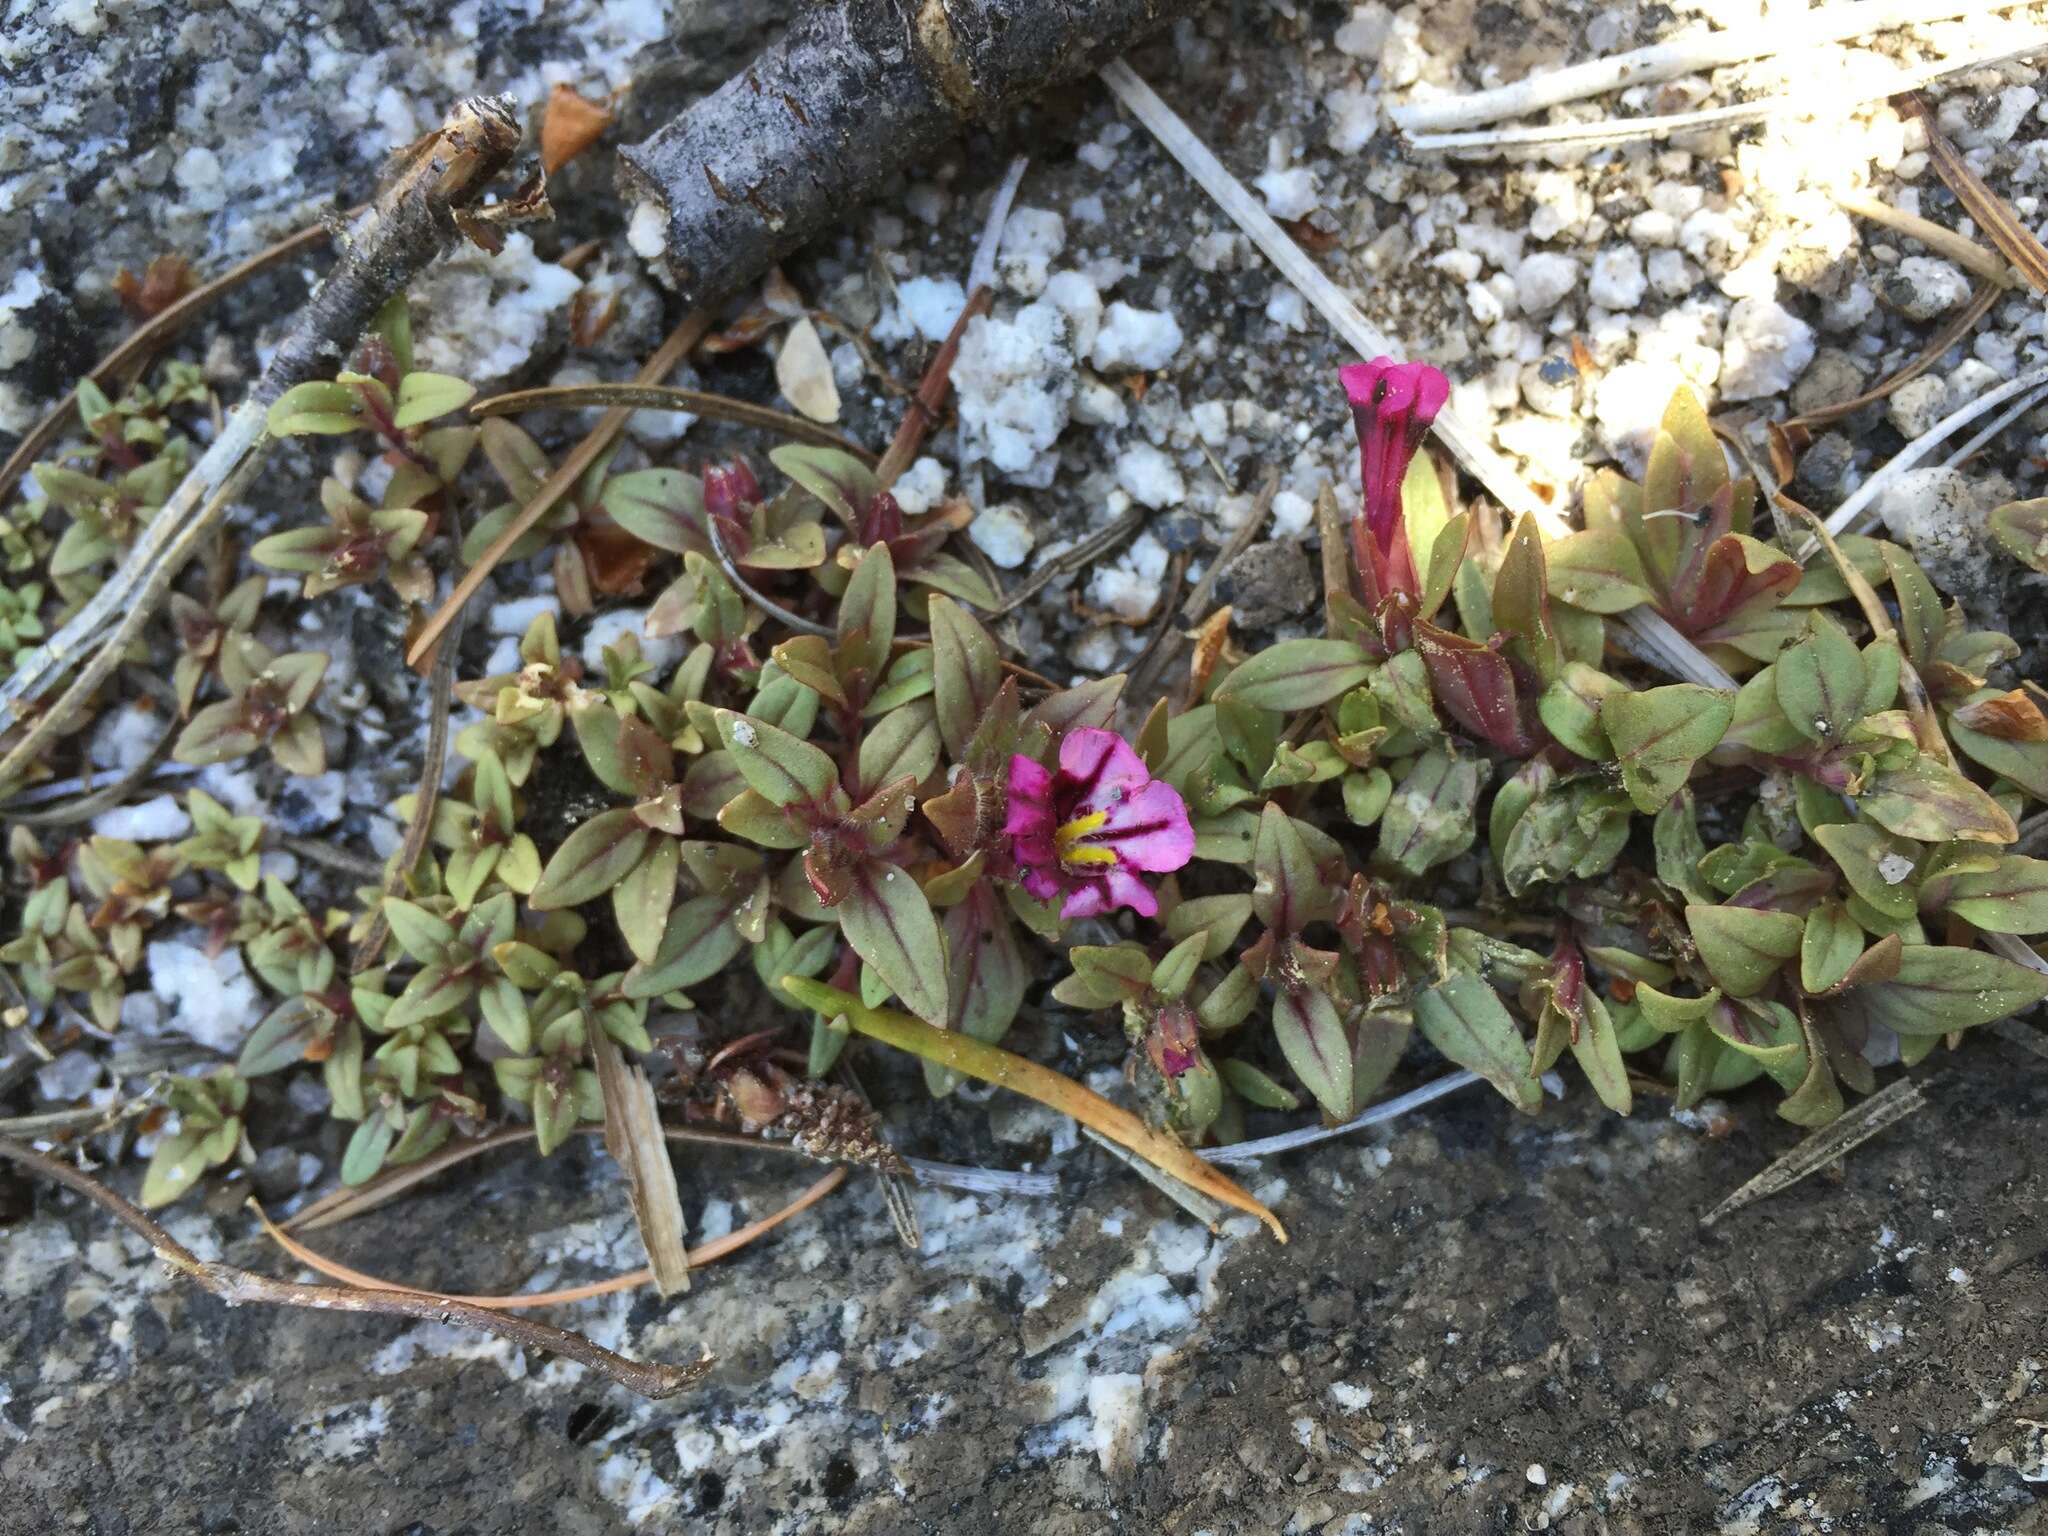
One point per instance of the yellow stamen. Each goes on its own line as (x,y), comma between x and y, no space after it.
(1067,842)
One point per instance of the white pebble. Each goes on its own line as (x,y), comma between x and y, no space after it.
(1617,280)
(1136,338)
(148,821)
(1004,533)
(1150,476)
(1766,349)
(1543,279)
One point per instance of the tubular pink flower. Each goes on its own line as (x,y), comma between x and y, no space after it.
(1094,825)
(1393,404)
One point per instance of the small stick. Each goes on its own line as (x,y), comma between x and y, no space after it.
(236,1286)
(1960,249)
(1623,130)
(433,763)
(1087,552)
(717,1248)
(923,412)
(1655,634)
(688,332)
(632,1134)
(1196,608)
(1198,1205)
(1994,215)
(670,397)
(1379,1114)
(355,864)
(1966,319)
(108,795)
(1684,56)
(151,334)
(1845,517)
(1882,1109)
(992,1064)
(2011,414)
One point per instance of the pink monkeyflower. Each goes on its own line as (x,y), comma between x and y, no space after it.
(1393,404)
(1091,828)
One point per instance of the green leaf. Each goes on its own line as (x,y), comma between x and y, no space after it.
(986,976)
(1598,571)
(888,921)
(421,934)
(2012,898)
(174,1167)
(423,396)
(1255,1087)
(1660,733)
(966,672)
(1572,832)
(1598,1054)
(867,615)
(1878,868)
(903,743)
(1446,555)
(662,507)
(641,901)
(1570,710)
(1298,674)
(1931,802)
(1831,943)
(1939,988)
(1464,1018)
(1432,815)
(1310,1033)
(1821,682)
(366,1149)
(2024,762)
(1521,602)
(1744,946)
(592,859)
(808,660)
(832,475)
(699,941)
(783,769)
(280,1040)
(622,750)
(2020,528)
(1105,975)
(321,408)
(1291,891)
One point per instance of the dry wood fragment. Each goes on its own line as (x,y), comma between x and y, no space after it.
(633,1136)
(851,94)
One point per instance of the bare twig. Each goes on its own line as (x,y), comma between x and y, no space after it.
(408,226)
(1836,102)
(1960,249)
(1653,634)
(1961,325)
(1198,1205)
(1881,1110)
(1845,517)
(357,866)
(1682,56)
(1379,1114)
(1196,608)
(688,332)
(1994,215)
(106,797)
(1087,552)
(491,1305)
(923,411)
(236,1286)
(670,397)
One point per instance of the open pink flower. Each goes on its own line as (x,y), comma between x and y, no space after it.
(1092,827)
(1393,404)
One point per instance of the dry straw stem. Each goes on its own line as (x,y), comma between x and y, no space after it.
(688,332)
(992,1064)
(1622,130)
(1965,321)
(1960,249)
(237,1286)
(670,397)
(1683,56)
(1651,633)
(1994,215)
(409,225)
(1882,1109)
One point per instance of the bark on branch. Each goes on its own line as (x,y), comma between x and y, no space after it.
(854,92)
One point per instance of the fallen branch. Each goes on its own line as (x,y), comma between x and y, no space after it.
(850,95)
(407,227)
(237,1286)
(1768,35)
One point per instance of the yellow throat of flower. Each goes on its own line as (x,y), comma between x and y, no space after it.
(1067,841)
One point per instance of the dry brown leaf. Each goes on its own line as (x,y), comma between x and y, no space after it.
(569,125)
(2011,716)
(804,373)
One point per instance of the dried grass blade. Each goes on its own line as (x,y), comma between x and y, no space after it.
(1994,215)
(632,1134)
(1885,1108)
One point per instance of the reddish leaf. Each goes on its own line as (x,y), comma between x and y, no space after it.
(1475,685)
